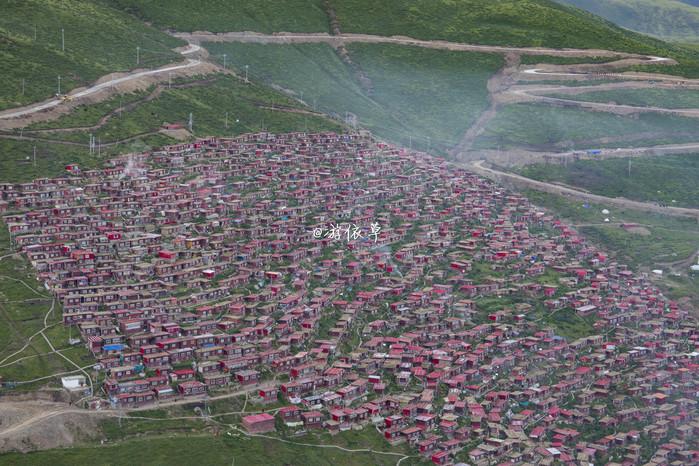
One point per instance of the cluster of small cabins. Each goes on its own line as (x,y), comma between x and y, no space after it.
(475,328)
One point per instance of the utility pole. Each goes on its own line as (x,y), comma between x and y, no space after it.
(138,55)
(63,40)
(59,85)
(226,120)
(629,167)
(23,83)
(35,33)
(246,73)
(169,80)
(34,156)
(190,122)
(224,61)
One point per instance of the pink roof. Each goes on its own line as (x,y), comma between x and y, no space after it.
(255,418)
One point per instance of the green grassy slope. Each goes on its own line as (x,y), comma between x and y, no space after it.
(510,22)
(138,127)
(665,98)
(98,40)
(22,313)
(231,15)
(651,179)
(201,449)
(664,239)
(415,92)
(501,22)
(544,127)
(670,19)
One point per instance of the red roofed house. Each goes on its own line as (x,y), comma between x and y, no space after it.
(259,423)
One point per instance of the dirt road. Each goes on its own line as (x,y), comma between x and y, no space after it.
(500,176)
(298,38)
(106,86)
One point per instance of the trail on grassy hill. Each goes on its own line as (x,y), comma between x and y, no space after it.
(113,83)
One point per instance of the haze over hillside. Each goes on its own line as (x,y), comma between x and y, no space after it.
(668,19)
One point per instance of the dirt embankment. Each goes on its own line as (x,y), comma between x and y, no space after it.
(40,425)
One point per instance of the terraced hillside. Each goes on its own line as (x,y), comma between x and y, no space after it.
(220,105)
(549,128)
(666,180)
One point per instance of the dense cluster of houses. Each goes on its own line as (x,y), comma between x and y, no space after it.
(197,268)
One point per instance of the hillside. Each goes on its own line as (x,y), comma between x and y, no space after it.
(98,40)
(508,22)
(220,106)
(501,22)
(417,97)
(668,19)
(231,15)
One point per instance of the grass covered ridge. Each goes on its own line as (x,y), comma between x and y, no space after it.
(652,179)
(138,129)
(544,127)
(98,40)
(231,15)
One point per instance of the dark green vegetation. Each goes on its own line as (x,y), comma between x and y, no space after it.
(431,95)
(544,127)
(137,129)
(231,15)
(664,98)
(256,107)
(669,19)
(17,160)
(521,23)
(23,307)
(653,179)
(98,40)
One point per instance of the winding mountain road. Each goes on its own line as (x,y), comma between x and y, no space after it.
(105,84)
